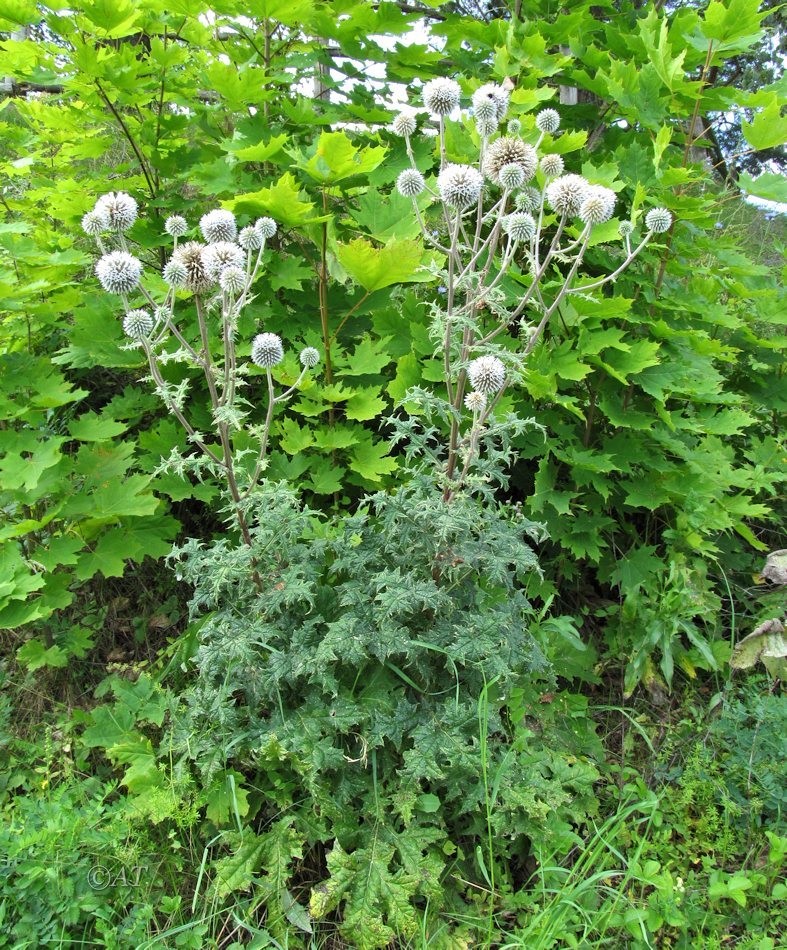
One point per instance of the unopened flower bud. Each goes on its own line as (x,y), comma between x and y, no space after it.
(658,220)
(232,279)
(410,183)
(309,357)
(266,227)
(404,125)
(137,324)
(176,225)
(267,350)
(548,120)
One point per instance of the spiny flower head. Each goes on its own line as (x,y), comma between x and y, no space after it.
(215,257)
(506,151)
(529,199)
(267,350)
(490,101)
(511,176)
(514,127)
(118,272)
(95,222)
(218,225)
(189,255)
(176,225)
(175,272)
(519,225)
(552,166)
(232,279)
(658,220)
(404,125)
(475,401)
(250,238)
(566,194)
(309,357)
(137,324)
(410,183)
(598,206)
(120,208)
(548,120)
(459,185)
(266,227)
(486,125)
(487,374)
(625,228)
(441,96)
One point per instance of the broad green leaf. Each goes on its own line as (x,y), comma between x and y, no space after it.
(90,427)
(371,460)
(283,201)
(767,185)
(335,157)
(365,404)
(397,262)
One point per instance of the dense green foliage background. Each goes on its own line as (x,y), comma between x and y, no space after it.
(658,472)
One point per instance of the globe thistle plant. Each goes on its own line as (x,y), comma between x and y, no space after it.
(505,209)
(202,277)
(404,125)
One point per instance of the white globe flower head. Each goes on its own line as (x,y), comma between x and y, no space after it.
(232,279)
(404,125)
(266,227)
(625,228)
(658,220)
(95,223)
(215,257)
(514,127)
(490,101)
(118,272)
(509,151)
(176,225)
(552,166)
(309,357)
(548,120)
(175,273)
(189,256)
(598,206)
(250,238)
(410,183)
(487,374)
(486,125)
(267,350)
(520,226)
(120,208)
(512,176)
(529,199)
(460,185)
(137,324)
(441,96)
(475,401)
(566,194)
(218,225)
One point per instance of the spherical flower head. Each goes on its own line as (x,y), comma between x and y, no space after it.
(658,220)
(267,350)
(598,206)
(218,225)
(232,279)
(511,176)
(120,208)
(519,225)
(215,257)
(404,125)
(566,194)
(309,357)
(441,96)
(509,151)
(176,225)
(548,120)
(514,127)
(95,223)
(175,273)
(486,125)
(118,272)
(475,401)
(552,166)
(459,185)
(250,238)
(529,199)
(189,255)
(137,324)
(410,183)
(487,374)
(625,228)
(266,227)
(490,101)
